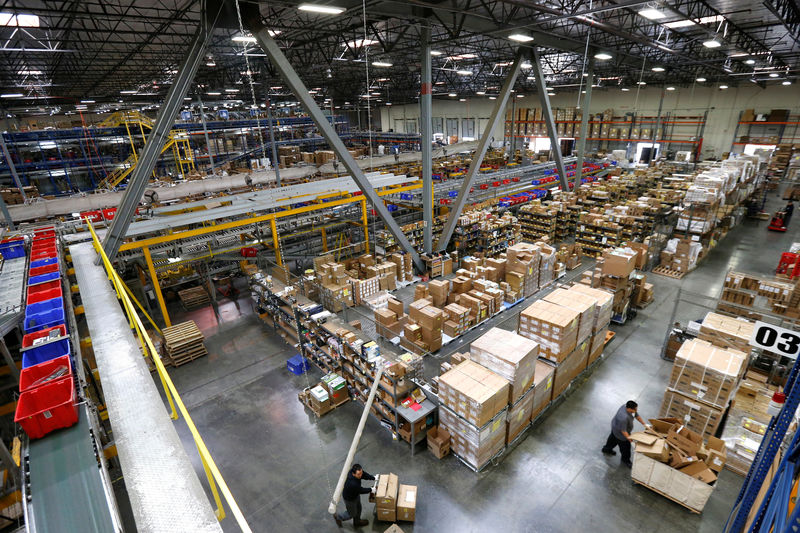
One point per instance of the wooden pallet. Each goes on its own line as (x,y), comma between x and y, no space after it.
(668,272)
(194,298)
(667,497)
(642,305)
(183,343)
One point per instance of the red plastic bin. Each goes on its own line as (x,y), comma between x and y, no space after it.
(46,269)
(40,296)
(47,408)
(29,376)
(28,340)
(44,287)
(39,246)
(44,254)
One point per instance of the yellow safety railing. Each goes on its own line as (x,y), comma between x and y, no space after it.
(215,479)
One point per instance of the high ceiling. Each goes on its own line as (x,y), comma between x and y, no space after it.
(93,50)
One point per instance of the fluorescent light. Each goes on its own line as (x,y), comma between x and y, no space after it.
(520,96)
(625,89)
(525,65)
(710,19)
(602,56)
(641,83)
(492,98)
(670,88)
(381,64)
(786,82)
(520,37)
(326,10)
(723,86)
(452,95)
(211,64)
(462,99)
(231,90)
(433,53)
(213,93)
(750,62)
(243,38)
(652,14)
(128,92)
(87,101)
(712,43)
(700,80)
(464,72)
(20,21)
(685,23)
(357,43)
(657,69)
(29,72)
(480,93)
(12,95)
(773,74)
(551,94)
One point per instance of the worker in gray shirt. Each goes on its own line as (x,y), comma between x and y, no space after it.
(621,427)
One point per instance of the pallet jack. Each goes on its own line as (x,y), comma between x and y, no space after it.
(778,222)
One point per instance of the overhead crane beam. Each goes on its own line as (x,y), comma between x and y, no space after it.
(281,63)
(498,112)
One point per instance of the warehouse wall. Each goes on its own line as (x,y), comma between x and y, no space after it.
(723,105)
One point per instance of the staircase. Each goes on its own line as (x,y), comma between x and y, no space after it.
(178,141)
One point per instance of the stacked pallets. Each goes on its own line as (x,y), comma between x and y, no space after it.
(183,343)
(194,298)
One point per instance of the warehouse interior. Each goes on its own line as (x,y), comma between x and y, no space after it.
(399,266)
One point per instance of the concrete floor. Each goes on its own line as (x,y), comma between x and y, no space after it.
(281,462)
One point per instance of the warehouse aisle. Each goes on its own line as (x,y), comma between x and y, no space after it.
(281,462)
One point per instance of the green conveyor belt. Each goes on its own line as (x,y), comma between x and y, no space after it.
(66,487)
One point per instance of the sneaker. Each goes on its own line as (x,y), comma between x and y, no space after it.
(609,452)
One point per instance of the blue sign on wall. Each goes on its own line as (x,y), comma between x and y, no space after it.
(186,115)
(223,114)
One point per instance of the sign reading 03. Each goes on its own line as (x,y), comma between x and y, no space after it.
(776,339)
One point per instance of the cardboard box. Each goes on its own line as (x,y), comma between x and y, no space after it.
(684,439)
(407,503)
(658,449)
(396,306)
(707,373)
(473,392)
(438,441)
(415,307)
(542,388)
(619,262)
(699,470)
(519,416)
(509,355)
(555,328)
(717,454)
(582,304)
(386,493)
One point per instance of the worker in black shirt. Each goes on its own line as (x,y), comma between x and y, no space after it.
(621,428)
(351,494)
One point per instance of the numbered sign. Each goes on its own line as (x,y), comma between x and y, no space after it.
(776,339)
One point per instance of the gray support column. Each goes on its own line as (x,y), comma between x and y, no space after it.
(6,214)
(425,129)
(327,130)
(512,146)
(547,114)
(498,114)
(205,133)
(274,150)
(655,130)
(155,141)
(12,367)
(12,167)
(587,102)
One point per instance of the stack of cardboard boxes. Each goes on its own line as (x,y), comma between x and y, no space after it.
(681,254)
(12,196)
(420,331)
(702,383)
(614,275)
(390,321)
(759,293)
(675,461)
(473,407)
(393,500)
(327,395)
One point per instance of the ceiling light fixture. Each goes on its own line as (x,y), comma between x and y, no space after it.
(128,92)
(685,23)
(723,86)
(670,88)
(625,89)
(492,98)
(657,69)
(751,62)
(652,14)
(526,65)
(433,53)
(480,93)
(462,99)
(87,101)
(520,37)
(325,10)
(11,95)
(712,43)
(602,56)
(243,39)
(231,90)
(452,95)
(381,64)
(464,72)
(520,96)
(213,93)
(773,74)
(641,83)
(786,82)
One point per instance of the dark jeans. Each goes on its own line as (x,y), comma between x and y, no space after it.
(624,447)
(353,510)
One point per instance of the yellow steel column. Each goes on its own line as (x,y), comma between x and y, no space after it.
(156,287)
(275,244)
(130,138)
(324,239)
(364,222)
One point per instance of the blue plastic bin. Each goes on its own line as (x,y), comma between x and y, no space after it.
(44,262)
(12,249)
(33,280)
(45,352)
(44,314)
(297,365)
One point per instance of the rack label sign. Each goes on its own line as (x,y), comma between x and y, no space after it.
(775,339)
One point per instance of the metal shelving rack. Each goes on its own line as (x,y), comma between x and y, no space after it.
(784,131)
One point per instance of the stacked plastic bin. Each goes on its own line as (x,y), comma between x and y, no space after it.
(48,399)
